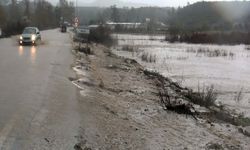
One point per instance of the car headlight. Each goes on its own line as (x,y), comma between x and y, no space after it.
(33,37)
(21,38)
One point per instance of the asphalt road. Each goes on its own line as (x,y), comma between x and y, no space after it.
(38,104)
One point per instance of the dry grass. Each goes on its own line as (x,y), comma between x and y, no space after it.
(206,52)
(239,95)
(203,97)
(147,57)
(129,48)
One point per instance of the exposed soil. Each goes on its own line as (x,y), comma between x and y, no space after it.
(124,110)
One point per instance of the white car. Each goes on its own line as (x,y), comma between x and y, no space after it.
(30,35)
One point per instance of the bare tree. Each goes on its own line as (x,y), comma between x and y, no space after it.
(115,17)
(2,16)
(66,9)
(44,16)
(14,13)
(27,8)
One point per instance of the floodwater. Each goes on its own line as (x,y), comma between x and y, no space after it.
(197,66)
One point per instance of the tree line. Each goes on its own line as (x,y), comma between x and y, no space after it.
(211,16)
(15,15)
(95,15)
(211,22)
(198,17)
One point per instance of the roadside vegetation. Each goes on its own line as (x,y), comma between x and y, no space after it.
(101,35)
(205,96)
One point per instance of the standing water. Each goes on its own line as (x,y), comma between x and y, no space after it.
(225,67)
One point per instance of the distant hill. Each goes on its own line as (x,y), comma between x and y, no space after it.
(108,3)
(216,15)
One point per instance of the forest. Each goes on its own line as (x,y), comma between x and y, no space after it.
(212,16)
(15,15)
(211,22)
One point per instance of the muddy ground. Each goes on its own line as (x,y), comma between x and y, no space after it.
(124,110)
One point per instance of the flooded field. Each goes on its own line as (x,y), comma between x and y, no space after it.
(197,66)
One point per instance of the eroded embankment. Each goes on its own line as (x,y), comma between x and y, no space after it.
(202,98)
(134,108)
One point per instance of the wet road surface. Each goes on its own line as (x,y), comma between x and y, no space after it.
(38,104)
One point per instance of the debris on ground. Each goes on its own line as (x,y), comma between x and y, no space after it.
(245,131)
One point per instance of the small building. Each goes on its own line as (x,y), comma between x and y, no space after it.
(124,25)
(93,26)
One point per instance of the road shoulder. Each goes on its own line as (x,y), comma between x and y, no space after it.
(123,110)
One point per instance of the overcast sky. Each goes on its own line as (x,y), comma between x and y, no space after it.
(174,3)
(162,3)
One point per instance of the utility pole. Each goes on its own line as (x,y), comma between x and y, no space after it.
(76,20)
(76,10)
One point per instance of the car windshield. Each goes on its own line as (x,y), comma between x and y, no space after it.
(29,31)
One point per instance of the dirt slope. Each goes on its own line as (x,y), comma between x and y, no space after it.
(122,111)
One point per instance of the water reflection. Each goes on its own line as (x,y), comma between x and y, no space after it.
(20,50)
(33,54)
